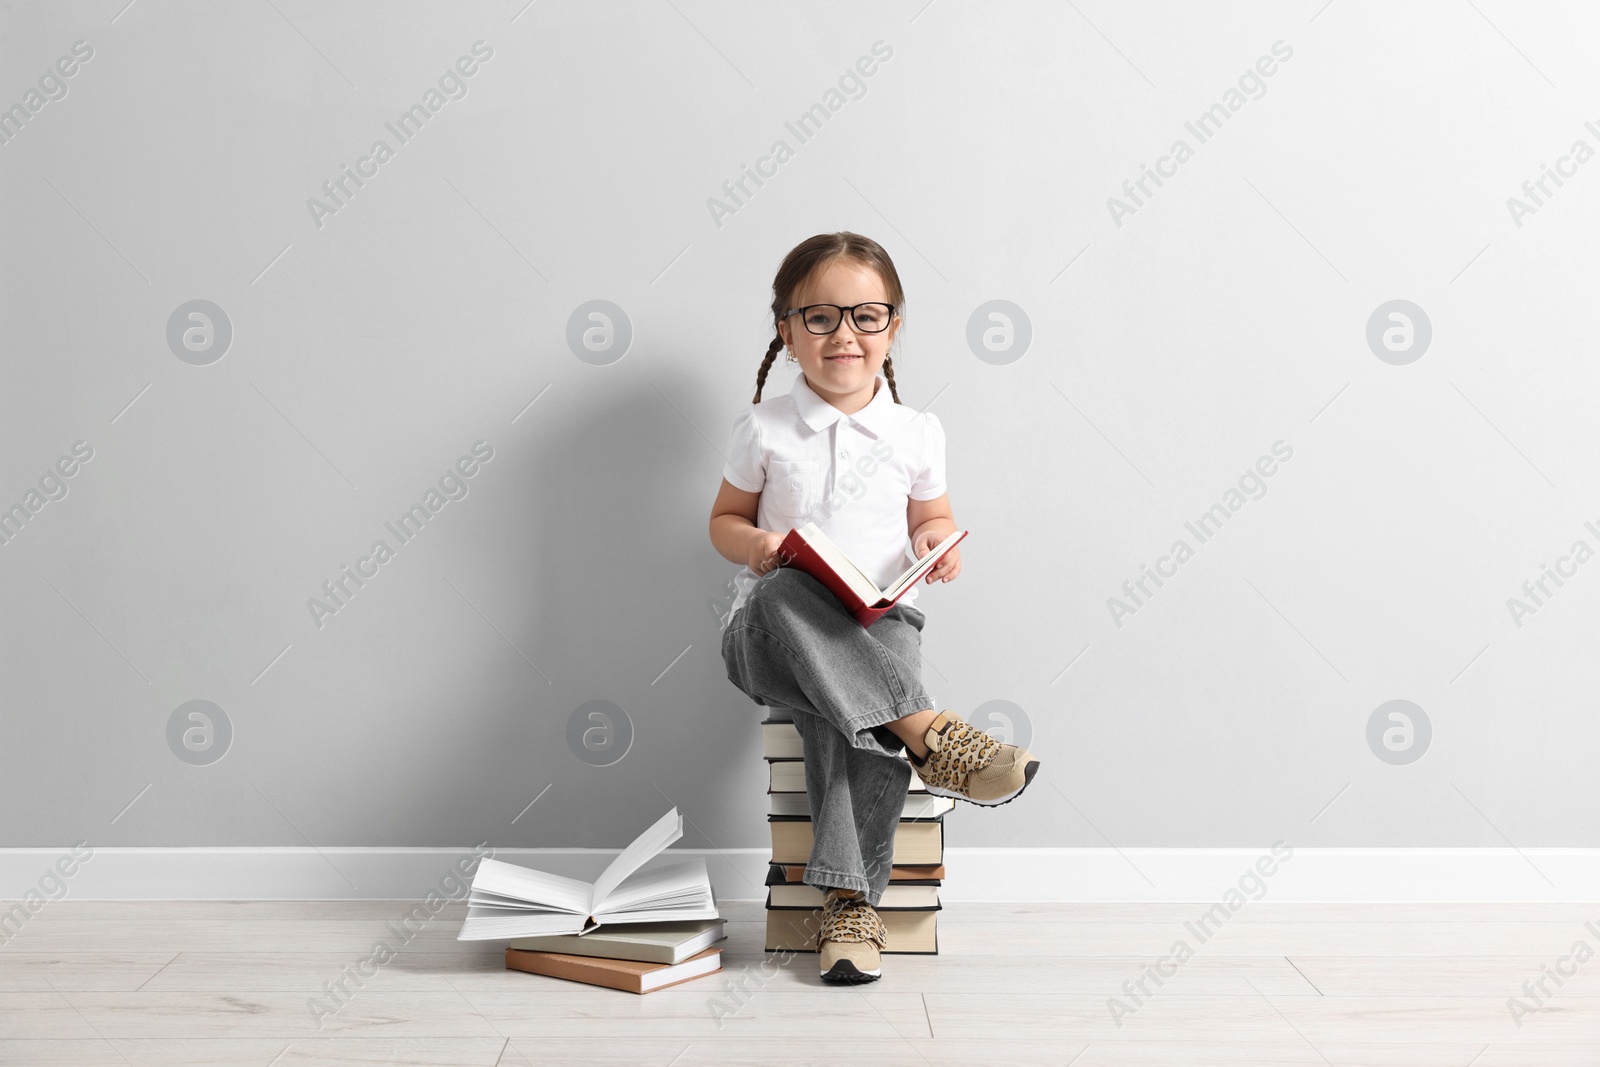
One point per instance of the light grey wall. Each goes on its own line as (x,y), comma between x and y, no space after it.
(1170,349)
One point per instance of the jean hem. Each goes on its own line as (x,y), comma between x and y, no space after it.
(846,881)
(855,725)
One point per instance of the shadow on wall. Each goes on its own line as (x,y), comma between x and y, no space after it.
(599,531)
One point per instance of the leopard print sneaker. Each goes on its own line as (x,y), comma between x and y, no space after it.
(966,763)
(851,938)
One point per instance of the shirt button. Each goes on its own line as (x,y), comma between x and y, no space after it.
(844,454)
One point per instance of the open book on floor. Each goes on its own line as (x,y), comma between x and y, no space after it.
(509,901)
(809,549)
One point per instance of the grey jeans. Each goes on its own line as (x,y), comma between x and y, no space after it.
(791,644)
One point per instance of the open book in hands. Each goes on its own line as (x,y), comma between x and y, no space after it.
(510,901)
(809,549)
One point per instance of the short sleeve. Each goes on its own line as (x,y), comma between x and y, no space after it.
(929,482)
(744,468)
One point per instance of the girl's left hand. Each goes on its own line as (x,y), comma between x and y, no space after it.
(947,568)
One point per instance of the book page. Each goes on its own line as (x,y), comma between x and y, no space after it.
(854,576)
(922,566)
(487,924)
(685,881)
(496,878)
(664,832)
(689,968)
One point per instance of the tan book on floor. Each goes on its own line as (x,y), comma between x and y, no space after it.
(795,873)
(910,932)
(914,842)
(630,976)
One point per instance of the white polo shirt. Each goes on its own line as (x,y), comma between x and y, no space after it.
(850,474)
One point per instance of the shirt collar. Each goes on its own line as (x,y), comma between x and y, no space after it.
(818,414)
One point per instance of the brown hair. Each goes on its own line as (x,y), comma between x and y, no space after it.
(813,254)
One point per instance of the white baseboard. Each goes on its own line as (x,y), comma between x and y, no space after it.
(1130,875)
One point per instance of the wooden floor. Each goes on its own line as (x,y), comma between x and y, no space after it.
(224,983)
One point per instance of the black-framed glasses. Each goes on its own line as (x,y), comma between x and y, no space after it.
(871,317)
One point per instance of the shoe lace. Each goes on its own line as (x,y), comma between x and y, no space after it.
(963,748)
(852,919)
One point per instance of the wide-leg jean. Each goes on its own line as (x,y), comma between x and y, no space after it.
(793,645)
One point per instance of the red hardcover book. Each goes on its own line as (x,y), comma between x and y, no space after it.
(809,549)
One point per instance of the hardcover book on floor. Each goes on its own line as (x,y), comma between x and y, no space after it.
(630,976)
(670,942)
(509,901)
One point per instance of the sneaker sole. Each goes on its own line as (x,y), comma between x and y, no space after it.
(1028,771)
(848,973)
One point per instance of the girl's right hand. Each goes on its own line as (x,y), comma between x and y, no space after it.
(764,552)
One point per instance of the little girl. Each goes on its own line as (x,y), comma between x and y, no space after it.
(840,450)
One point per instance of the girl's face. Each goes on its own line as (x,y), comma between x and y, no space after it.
(840,366)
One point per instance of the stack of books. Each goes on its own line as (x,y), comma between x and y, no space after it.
(910,904)
(631,929)
(637,958)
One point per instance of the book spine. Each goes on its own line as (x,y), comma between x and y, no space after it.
(866,614)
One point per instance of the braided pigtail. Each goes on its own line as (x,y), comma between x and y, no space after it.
(766,365)
(888,372)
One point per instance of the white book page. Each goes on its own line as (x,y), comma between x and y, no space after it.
(664,832)
(915,574)
(853,575)
(486,924)
(678,913)
(508,880)
(688,879)
(495,900)
(682,972)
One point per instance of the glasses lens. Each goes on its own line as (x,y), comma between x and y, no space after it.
(821,318)
(871,318)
